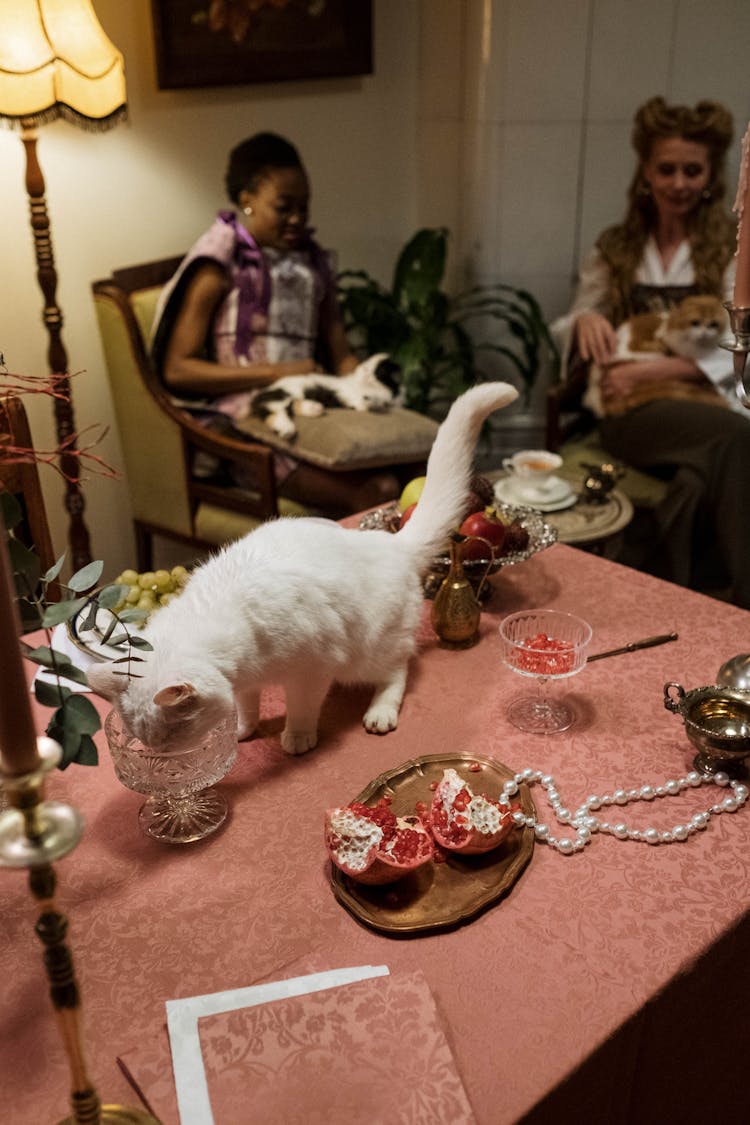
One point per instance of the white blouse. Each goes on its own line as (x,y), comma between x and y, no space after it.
(593,287)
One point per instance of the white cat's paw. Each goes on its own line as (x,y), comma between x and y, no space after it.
(246,728)
(309,408)
(298,741)
(381,718)
(282,425)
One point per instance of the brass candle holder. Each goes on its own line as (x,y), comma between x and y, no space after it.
(739,322)
(34,833)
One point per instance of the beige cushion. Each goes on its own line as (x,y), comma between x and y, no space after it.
(349,439)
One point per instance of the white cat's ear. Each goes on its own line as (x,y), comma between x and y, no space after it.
(177,698)
(107,681)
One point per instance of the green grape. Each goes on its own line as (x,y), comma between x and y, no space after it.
(163,582)
(128,577)
(133,595)
(146,580)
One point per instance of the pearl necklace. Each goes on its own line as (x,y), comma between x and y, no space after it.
(586,825)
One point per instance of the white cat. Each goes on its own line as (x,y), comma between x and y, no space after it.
(301,603)
(373,385)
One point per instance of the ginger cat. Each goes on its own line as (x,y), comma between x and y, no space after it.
(692,330)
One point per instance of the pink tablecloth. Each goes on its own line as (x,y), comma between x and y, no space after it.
(608,986)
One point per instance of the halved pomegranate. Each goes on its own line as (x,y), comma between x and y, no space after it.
(465,823)
(373,845)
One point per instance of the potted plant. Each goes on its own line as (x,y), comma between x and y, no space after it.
(432,335)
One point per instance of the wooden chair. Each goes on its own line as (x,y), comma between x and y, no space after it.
(20,479)
(160,441)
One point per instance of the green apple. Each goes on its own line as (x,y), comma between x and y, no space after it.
(411,493)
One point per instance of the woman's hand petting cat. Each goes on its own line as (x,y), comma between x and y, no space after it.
(621,378)
(595,336)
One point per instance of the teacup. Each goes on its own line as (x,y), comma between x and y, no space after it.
(533,469)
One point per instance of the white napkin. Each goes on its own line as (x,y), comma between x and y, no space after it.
(182,1021)
(61,642)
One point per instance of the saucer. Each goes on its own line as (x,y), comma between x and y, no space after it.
(557,496)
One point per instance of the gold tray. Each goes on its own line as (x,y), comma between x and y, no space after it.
(439,895)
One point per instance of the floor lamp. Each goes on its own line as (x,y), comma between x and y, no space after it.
(56,61)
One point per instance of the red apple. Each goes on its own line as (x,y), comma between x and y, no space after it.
(482,526)
(406,515)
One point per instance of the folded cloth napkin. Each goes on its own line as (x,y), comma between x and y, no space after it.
(368,1053)
(166,1069)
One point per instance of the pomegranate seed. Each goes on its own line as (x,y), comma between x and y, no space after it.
(475,767)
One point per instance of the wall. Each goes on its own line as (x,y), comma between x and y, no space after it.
(547,101)
(149,187)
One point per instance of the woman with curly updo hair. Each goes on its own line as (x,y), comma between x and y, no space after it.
(676,240)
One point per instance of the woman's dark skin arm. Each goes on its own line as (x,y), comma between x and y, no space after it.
(185,370)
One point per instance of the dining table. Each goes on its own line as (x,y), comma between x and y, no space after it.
(610,985)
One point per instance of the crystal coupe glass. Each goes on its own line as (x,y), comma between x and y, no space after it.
(181,806)
(545,645)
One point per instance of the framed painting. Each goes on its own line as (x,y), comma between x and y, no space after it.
(235,42)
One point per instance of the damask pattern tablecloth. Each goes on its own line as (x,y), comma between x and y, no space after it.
(608,986)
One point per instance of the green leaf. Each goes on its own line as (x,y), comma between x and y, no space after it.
(421,265)
(111,595)
(133,614)
(81,715)
(58,612)
(87,577)
(87,755)
(40,655)
(113,624)
(64,667)
(89,621)
(50,695)
(141,642)
(54,570)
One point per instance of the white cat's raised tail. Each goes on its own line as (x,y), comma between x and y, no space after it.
(301,603)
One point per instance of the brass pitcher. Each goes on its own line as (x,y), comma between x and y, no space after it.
(456,609)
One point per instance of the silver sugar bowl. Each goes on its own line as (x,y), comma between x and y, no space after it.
(717,722)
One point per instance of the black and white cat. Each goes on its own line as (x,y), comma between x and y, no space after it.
(301,603)
(373,385)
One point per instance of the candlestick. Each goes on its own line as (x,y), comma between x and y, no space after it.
(742,209)
(18,751)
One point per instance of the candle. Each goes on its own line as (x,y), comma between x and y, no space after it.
(742,209)
(18,753)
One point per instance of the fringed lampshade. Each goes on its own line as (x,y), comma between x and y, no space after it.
(55,61)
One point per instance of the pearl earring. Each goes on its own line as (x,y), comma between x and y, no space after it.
(706,193)
(247,210)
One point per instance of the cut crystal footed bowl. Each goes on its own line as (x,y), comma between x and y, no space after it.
(182,806)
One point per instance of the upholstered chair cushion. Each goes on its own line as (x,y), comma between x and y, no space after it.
(349,439)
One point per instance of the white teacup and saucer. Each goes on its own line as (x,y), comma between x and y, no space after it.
(532,480)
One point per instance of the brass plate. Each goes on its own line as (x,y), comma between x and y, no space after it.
(439,895)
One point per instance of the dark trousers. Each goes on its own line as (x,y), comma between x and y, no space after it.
(704,452)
